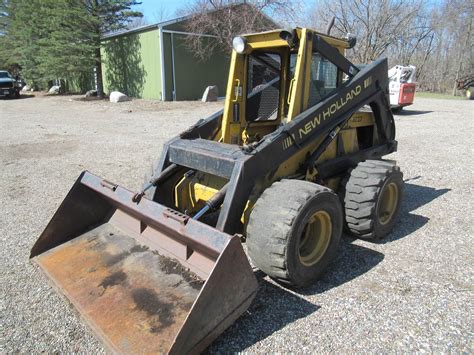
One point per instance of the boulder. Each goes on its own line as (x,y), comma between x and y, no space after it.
(26,88)
(116,96)
(91,93)
(210,94)
(54,89)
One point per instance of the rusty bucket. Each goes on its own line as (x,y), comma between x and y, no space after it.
(146,278)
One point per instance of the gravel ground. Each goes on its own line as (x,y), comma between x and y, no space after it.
(411,292)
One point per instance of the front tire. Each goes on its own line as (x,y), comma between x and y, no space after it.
(294,231)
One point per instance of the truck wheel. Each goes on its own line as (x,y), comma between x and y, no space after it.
(294,231)
(372,200)
(397,109)
(470,93)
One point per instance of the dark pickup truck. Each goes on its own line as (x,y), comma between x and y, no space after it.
(8,85)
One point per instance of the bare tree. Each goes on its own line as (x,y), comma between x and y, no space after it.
(377,24)
(447,54)
(162,13)
(435,37)
(224,19)
(137,22)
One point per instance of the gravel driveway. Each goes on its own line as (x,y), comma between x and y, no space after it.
(410,292)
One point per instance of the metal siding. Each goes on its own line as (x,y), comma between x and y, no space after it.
(168,66)
(131,64)
(151,62)
(194,75)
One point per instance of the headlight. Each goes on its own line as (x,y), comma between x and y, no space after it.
(239,44)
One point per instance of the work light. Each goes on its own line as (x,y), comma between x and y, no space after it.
(239,44)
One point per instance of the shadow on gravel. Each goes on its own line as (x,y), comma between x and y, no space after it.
(17,98)
(352,261)
(273,308)
(411,112)
(415,196)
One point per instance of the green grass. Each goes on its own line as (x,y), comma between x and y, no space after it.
(435,95)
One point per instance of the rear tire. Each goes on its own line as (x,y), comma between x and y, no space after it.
(294,231)
(372,200)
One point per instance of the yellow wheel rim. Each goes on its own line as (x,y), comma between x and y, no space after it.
(315,238)
(388,203)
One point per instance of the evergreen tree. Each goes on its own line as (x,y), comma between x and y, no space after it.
(59,38)
(20,22)
(109,16)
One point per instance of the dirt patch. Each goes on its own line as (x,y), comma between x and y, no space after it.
(114,279)
(37,150)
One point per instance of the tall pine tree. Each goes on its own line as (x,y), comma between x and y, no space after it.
(60,38)
(109,16)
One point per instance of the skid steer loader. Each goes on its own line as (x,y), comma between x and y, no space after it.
(293,158)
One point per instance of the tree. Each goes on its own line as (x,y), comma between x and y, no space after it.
(104,16)
(56,38)
(377,24)
(225,19)
(20,32)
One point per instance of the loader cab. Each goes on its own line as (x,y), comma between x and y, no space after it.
(273,77)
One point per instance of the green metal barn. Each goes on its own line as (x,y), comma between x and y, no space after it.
(152,62)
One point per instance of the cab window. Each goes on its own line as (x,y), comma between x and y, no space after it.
(323,79)
(263,86)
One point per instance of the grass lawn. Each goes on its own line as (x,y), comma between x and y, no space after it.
(435,95)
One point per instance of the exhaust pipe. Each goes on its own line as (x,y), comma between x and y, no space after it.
(330,24)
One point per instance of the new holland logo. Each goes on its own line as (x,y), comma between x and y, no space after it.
(327,114)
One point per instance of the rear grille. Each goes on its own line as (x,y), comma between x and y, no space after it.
(6,85)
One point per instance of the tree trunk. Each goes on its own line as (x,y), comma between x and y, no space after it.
(461,56)
(98,61)
(98,72)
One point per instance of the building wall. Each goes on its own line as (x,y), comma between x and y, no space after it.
(132,64)
(192,75)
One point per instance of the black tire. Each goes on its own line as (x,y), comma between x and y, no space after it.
(277,224)
(397,110)
(470,93)
(369,213)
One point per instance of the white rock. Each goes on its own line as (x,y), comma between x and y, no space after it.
(26,88)
(54,89)
(116,96)
(210,94)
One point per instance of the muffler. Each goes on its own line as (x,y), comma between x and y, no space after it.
(146,278)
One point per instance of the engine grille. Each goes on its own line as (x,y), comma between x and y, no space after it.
(6,85)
